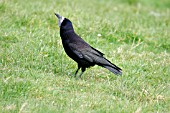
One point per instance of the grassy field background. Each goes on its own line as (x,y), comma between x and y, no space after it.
(36,74)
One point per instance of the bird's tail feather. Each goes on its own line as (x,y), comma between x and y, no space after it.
(115,70)
(111,67)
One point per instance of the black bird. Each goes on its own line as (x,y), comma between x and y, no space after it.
(80,51)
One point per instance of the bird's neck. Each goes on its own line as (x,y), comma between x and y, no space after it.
(66,30)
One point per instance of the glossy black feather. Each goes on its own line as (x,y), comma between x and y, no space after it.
(81,52)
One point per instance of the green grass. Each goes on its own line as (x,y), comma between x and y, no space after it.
(36,74)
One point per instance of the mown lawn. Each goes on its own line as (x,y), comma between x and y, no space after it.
(36,74)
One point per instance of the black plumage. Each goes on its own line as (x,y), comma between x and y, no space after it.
(80,51)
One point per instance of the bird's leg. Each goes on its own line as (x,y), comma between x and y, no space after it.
(77,71)
(82,71)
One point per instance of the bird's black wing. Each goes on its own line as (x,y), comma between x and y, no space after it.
(80,47)
(84,52)
(98,51)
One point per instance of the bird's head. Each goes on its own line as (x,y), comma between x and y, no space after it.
(60,19)
(63,22)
